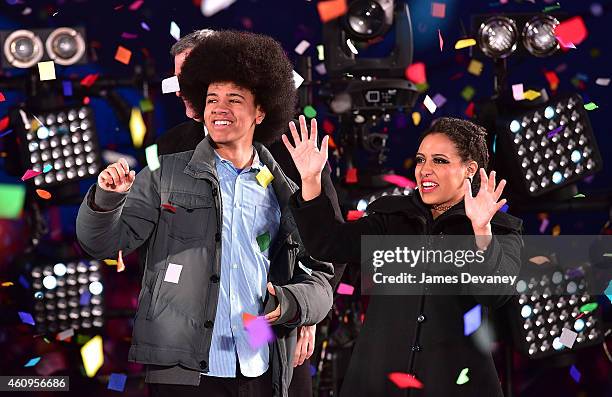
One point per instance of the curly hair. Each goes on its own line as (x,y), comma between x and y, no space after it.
(252,61)
(469,139)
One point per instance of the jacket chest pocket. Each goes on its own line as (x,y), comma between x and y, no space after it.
(191,218)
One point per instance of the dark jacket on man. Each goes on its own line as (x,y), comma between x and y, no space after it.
(176,211)
(417,334)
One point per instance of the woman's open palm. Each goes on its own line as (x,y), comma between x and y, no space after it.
(480,209)
(308,158)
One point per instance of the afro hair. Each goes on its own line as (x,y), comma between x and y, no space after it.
(252,61)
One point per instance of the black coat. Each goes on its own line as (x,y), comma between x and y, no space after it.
(421,335)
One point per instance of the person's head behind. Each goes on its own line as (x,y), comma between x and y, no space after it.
(179,51)
(450,151)
(242,78)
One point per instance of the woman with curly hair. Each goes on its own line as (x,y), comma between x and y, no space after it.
(221,244)
(420,334)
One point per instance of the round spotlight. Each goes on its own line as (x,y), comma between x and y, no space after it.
(515,126)
(49,282)
(526,311)
(365,19)
(549,112)
(362,205)
(95,288)
(539,36)
(65,46)
(59,269)
(579,325)
(23,49)
(497,37)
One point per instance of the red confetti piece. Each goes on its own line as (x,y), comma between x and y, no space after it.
(405,381)
(4,123)
(247,318)
(43,194)
(123,55)
(328,126)
(169,207)
(30,174)
(86,100)
(416,73)
(2,98)
(571,31)
(353,215)
(553,80)
(331,9)
(469,111)
(351,175)
(90,79)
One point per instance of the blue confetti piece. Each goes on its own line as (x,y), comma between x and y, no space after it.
(5,133)
(117,382)
(575,374)
(504,208)
(47,168)
(26,318)
(608,291)
(313,371)
(85,298)
(145,26)
(67,85)
(24,281)
(32,362)
(471,320)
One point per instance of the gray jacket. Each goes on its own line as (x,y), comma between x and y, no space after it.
(173,325)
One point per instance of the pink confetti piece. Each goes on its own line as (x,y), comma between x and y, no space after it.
(399,180)
(439,100)
(405,381)
(345,289)
(517,92)
(441,40)
(30,174)
(128,36)
(544,225)
(135,5)
(259,332)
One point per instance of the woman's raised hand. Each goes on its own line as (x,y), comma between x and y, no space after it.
(480,209)
(308,158)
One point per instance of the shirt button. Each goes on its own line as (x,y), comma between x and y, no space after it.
(203,364)
(416,348)
(421,318)
(208,324)
(235,266)
(214,278)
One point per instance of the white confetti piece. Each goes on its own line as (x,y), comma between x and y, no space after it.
(173,273)
(211,7)
(303,46)
(171,84)
(429,104)
(297,79)
(568,337)
(175,31)
(602,81)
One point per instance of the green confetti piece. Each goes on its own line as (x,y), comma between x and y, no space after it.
(422,87)
(468,93)
(11,200)
(589,307)
(146,105)
(591,106)
(263,241)
(463,378)
(579,195)
(321,52)
(152,157)
(82,339)
(310,112)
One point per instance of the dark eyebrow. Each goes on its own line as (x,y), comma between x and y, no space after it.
(231,94)
(435,154)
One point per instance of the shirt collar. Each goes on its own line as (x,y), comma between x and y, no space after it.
(255,166)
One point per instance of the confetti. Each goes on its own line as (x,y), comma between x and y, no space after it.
(429,104)
(120,264)
(539,260)
(92,355)
(310,112)
(43,194)
(463,378)
(399,180)
(405,381)
(68,333)
(2,98)
(331,9)
(85,298)
(32,362)
(259,332)
(608,291)
(543,225)
(531,95)
(138,129)
(475,67)
(575,374)
(438,10)
(439,100)
(517,92)
(116,382)
(571,31)
(173,273)
(152,157)
(471,320)
(5,133)
(568,337)
(469,111)
(135,5)
(7,284)
(26,318)
(556,230)
(303,46)
(321,52)
(297,79)
(440,40)
(553,80)
(464,43)
(345,289)
(89,80)
(145,26)
(171,84)
(46,70)
(321,69)
(351,175)
(146,105)
(129,36)
(589,307)
(175,31)
(211,7)
(264,176)
(551,8)
(416,118)
(169,207)
(416,73)
(591,106)
(30,174)
(602,81)
(468,93)
(263,241)
(353,215)
(67,87)
(123,55)
(247,318)
(555,131)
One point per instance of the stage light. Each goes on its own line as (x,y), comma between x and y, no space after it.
(73,299)
(63,142)
(547,304)
(65,46)
(366,19)
(23,49)
(539,36)
(497,37)
(550,146)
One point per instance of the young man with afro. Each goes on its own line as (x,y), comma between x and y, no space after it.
(221,241)
(185,136)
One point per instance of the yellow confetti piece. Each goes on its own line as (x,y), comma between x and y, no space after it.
(416,118)
(556,230)
(46,70)
(531,95)
(92,355)
(464,43)
(7,284)
(110,262)
(264,176)
(138,129)
(475,67)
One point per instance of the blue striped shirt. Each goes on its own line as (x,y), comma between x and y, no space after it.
(249,210)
